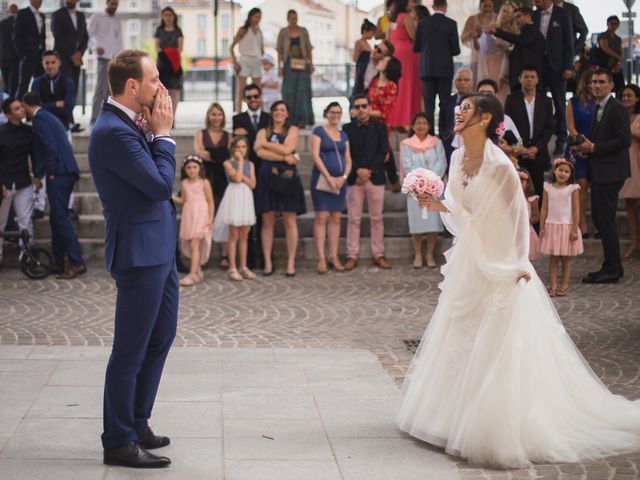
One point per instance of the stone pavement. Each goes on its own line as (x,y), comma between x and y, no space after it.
(341,314)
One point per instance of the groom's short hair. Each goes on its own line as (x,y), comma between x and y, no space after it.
(125,65)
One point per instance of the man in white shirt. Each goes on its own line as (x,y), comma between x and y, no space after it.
(532,113)
(105,39)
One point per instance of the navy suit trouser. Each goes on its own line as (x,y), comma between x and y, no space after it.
(9,72)
(145,326)
(64,242)
(432,86)
(604,204)
(557,85)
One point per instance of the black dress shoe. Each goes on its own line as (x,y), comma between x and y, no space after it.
(593,274)
(148,440)
(602,277)
(76,128)
(37,214)
(133,456)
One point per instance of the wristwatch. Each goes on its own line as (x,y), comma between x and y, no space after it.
(345,176)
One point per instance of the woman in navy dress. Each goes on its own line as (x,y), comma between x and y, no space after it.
(331,164)
(580,112)
(276,146)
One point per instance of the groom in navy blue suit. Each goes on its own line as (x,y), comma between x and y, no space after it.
(134,173)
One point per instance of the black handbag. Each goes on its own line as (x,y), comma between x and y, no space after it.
(284,182)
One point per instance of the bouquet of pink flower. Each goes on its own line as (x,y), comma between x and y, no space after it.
(421,181)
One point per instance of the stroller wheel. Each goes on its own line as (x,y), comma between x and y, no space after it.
(36,262)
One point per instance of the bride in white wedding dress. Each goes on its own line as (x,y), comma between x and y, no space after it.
(497,379)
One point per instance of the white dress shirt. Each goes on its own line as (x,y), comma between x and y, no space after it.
(74,17)
(133,115)
(530,106)
(105,31)
(545,18)
(36,13)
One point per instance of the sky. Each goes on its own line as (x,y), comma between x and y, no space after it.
(592,10)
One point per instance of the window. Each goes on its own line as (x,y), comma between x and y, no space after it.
(133,5)
(224,21)
(155,5)
(133,33)
(153,24)
(201,21)
(224,48)
(202,47)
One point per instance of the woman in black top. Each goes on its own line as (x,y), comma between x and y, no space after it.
(169,42)
(212,145)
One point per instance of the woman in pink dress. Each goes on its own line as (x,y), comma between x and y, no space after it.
(402,31)
(630,191)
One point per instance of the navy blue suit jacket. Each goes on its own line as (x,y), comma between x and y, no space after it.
(446,121)
(134,180)
(560,39)
(52,151)
(437,41)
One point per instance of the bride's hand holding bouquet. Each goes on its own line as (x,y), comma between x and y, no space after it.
(424,185)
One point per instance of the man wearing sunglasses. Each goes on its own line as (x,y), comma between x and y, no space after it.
(366,72)
(368,145)
(248,123)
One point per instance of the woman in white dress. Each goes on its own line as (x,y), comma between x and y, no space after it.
(497,379)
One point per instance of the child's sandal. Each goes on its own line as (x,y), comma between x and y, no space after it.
(553,292)
(188,281)
(234,275)
(248,274)
(562,291)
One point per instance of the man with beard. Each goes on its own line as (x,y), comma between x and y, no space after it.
(134,178)
(105,39)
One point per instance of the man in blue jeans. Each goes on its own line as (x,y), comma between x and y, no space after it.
(54,159)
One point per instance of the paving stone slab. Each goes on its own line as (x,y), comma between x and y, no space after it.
(281,470)
(50,469)
(68,402)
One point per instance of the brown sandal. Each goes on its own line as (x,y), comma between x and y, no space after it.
(562,291)
(553,292)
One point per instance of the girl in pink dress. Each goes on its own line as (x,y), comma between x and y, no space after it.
(196,198)
(534,212)
(560,223)
(402,31)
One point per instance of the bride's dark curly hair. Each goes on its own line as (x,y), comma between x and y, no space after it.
(487,103)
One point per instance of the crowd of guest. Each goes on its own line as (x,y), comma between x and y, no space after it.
(528,59)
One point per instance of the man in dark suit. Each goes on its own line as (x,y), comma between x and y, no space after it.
(608,153)
(437,42)
(368,144)
(555,25)
(69,29)
(8,56)
(134,179)
(446,119)
(29,41)
(580,29)
(529,45)
(54,159)
(248,123)
(532,113)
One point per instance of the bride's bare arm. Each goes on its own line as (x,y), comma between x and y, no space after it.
(430,203)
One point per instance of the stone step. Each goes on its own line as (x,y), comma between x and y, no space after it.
(395,225)
(184,142)
(88,203)
(397,249)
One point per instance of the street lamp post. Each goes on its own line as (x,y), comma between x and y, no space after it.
(216,58)
(630,15)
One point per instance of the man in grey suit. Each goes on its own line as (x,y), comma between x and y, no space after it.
(437,42)
(69,28)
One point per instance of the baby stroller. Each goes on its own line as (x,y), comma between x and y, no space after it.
(35,261)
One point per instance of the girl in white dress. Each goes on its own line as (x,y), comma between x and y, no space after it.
(237,213)
(497,379)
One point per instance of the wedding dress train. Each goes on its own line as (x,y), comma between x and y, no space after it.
(497,380)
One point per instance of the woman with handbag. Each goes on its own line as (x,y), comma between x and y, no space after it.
(211,144)
(279,186)
(331,167)
(296,66)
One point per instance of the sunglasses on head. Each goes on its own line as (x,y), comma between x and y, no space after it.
(252,97)
(361,106)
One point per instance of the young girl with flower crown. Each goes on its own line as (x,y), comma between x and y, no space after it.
(237,213)
(560,220)
(196,198)
(534,212)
